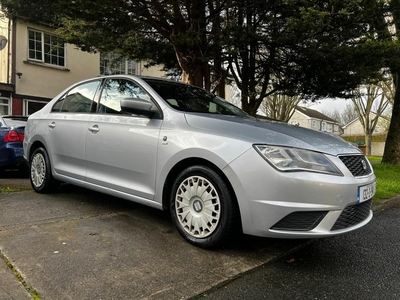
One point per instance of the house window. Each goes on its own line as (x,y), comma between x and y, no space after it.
(314,124)
(4,106)
(46,48)
(31,106)
(323,126)
(112,63)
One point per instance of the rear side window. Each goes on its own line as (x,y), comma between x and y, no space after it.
(78,100)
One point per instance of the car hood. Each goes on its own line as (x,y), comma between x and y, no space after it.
(271,132)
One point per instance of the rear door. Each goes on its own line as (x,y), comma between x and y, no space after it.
(121,149)
(67,129)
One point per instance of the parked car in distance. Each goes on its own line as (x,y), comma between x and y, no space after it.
(11,138)
(217,170)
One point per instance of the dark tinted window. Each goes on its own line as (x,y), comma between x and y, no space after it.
(193,99)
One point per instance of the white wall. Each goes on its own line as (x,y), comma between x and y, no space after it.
(4,52)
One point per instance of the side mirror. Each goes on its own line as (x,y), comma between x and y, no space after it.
(138,106)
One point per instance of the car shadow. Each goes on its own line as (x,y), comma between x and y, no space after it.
(14,174)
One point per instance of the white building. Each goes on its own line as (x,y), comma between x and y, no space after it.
(309,118)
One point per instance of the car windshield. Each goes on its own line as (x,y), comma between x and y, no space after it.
(189,98)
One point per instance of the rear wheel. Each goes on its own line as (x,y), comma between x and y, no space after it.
(202,207)
(42,180)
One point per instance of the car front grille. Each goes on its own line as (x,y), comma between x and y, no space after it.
(357,164)
(300,221)
(353,215)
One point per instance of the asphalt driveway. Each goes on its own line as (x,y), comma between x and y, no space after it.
(79,244)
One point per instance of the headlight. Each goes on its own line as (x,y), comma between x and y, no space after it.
(292,159)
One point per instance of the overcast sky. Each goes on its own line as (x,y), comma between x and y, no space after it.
(328,105)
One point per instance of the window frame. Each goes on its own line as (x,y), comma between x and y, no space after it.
(313,124)
(26,105)
(42,50)
(112,63)
(8,105)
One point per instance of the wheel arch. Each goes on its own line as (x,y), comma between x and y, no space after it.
(33,147)
(185,163)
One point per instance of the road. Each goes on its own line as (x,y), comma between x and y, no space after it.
(364,264)
(78,244)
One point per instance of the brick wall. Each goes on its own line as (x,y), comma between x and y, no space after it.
(16,106)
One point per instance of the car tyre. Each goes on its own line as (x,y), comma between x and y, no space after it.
(40,175)
(202,207)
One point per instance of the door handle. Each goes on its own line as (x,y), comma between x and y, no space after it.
(52,125)
(94,129)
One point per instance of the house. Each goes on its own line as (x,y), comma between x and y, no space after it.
(35,65)
(354,131)
(309,118)
(355,128)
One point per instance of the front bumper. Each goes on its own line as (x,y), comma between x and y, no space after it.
(297,204)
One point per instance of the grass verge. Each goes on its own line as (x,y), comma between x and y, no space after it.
(6,190)
(387,179)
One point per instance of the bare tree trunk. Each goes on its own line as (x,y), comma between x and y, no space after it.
(368,142)
(392,146)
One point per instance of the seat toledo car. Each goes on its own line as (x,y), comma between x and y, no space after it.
(217,170)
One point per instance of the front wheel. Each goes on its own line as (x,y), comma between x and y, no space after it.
(202,207)
(41,179)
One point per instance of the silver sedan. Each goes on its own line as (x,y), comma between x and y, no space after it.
(216,170)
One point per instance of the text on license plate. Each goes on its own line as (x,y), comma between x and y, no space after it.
(366,192)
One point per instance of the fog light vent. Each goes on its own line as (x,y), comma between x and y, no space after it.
(300,221)
(353,215)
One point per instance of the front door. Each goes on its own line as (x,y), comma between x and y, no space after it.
(121,149)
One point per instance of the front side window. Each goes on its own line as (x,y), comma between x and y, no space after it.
(78,100)
(46,48)
(115,90)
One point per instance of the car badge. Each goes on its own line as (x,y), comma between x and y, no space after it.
(364,164)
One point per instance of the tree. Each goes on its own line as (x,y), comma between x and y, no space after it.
(313,49)
(335,115)
(308,48)
(178,34)
(279,106)
(343,117)
(389,33)
(370,102)
(349,114)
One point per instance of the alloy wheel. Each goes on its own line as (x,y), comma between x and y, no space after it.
(38,170)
